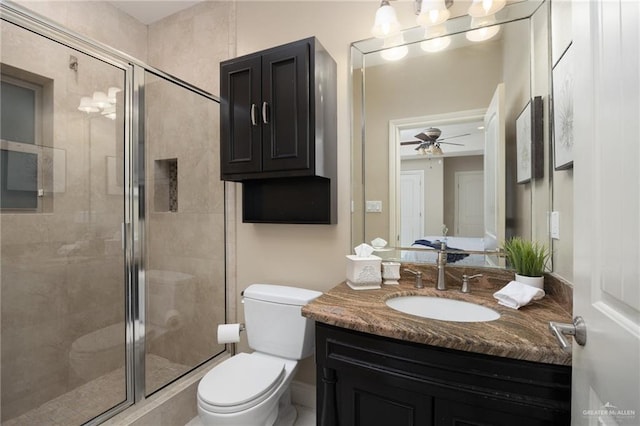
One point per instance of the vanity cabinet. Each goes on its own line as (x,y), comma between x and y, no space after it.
(278,113)
(278,133)
(368,380)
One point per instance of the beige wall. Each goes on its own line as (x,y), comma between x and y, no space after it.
(302,255)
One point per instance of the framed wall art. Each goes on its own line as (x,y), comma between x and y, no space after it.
(562,101)
(529,142)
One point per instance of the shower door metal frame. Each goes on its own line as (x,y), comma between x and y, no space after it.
(134,182)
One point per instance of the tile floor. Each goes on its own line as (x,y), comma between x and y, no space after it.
(306,417)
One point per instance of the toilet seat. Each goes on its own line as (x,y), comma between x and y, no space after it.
(239,383)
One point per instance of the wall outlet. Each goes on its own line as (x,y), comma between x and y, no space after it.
(555,225)
(374,206)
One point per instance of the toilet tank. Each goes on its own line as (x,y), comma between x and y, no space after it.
(274,323)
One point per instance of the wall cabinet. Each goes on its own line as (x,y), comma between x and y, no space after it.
(368,380)
(278,121)
(278,112)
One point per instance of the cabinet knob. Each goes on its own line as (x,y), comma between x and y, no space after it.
(265,114)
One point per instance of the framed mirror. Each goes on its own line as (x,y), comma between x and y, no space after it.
(434,136)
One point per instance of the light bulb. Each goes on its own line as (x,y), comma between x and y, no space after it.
(86,105)
(432,12)
(435,44)
(394,48)
(386,22)
(100,100)
(480,8)
(486,32)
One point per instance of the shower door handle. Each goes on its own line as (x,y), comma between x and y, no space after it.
(254,121)
(265,118)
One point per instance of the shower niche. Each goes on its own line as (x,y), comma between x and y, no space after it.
(165,195)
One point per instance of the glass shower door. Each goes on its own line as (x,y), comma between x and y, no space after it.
(63,308)
(184,231)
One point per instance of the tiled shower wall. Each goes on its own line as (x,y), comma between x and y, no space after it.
(50,287)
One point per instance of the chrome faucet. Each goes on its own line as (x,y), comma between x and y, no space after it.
(465,282)
(442,261)
(418,278)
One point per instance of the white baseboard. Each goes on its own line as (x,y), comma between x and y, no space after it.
(303,394)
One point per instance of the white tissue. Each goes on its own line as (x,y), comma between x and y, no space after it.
(515,295)
(228,333)
(378,243)
(363,250)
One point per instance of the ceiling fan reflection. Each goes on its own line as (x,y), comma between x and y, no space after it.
(429,141)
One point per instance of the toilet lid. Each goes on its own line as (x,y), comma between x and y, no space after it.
(240,379)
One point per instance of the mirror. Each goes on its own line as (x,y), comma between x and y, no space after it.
(434,137)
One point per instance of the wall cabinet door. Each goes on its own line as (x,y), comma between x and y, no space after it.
(241,131)
(286,112)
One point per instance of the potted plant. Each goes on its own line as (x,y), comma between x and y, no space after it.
(528,258)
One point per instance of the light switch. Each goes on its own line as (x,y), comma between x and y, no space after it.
(374,206)
(555,225)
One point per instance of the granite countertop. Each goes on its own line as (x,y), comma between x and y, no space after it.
(519,334)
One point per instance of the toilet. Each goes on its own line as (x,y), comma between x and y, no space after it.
(253,388)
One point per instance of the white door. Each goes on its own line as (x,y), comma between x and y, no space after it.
(469,197)
(606,371)
(411,206)
(494,166)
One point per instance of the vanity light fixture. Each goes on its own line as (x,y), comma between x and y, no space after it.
(386,23)
(435,41)
(86,105)
(433,12)
(394,48)
(480,8)
(486,28)
(102,102)
(435,44)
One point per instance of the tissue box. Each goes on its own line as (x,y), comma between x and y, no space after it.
(363,273)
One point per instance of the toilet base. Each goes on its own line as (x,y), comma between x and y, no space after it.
(287,413)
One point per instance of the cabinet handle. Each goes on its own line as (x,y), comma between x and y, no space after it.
(265,119)
(253,115)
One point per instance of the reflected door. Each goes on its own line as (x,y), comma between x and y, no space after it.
(411,206)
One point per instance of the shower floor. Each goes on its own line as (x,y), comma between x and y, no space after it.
(95,397)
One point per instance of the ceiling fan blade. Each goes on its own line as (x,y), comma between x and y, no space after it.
(449,143)
(411,142)
(424,137)
(452,137)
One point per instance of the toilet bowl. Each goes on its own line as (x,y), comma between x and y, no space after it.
(254,388)
(98,352)
(103,350)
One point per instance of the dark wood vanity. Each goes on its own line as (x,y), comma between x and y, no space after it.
(377,366)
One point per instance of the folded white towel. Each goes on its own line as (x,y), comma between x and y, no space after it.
(515,294)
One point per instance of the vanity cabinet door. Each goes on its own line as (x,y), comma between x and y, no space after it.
(371,402)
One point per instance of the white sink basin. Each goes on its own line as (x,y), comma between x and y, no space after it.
(442,309)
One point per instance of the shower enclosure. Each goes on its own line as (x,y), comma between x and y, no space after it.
(111,227)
